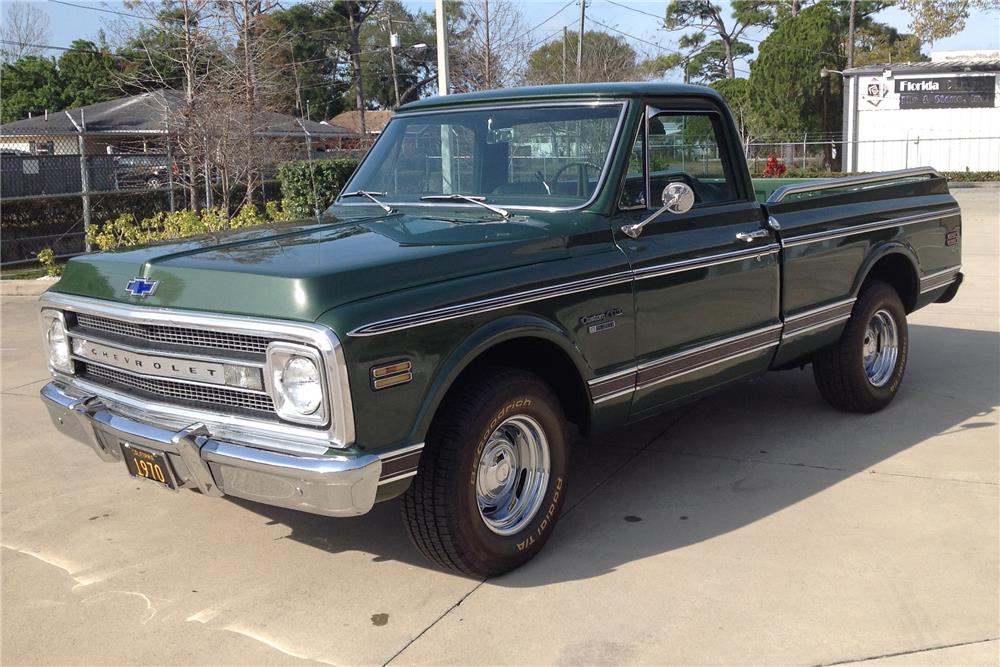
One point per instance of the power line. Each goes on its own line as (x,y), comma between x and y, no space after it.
(557,13)
(633,9)
(105,10)
(638,39)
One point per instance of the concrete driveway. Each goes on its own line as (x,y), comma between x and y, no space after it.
(757,527)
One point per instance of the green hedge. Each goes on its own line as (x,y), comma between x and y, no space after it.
(307,185)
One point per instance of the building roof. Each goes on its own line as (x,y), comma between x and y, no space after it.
(941,67)
(579,91)
(375,121)
(148,113)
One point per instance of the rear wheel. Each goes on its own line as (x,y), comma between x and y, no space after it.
(862,371)
(492,479)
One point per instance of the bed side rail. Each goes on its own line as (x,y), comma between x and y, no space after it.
(850,182)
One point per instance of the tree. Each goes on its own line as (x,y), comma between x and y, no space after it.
(23,27)
(29,85)
(313,40)
(737,95)
(710,61)
(357,12)
(491,47)
(705,17)
(606,58)
(87,74)
(932,20)
(787,90)
(414,68)
(878,43)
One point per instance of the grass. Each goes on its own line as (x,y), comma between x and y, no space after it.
(28,272)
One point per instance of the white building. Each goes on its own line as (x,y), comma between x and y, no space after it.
(944,113)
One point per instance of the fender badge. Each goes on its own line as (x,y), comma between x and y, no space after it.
(141,287)
(601,321)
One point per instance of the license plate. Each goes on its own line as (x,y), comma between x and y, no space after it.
(146,464)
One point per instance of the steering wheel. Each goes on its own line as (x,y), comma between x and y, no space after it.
(581,180)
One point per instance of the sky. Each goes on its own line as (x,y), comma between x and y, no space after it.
(546,18)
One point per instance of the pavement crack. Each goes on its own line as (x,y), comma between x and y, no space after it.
(10,389)
(434,622)
(907,652)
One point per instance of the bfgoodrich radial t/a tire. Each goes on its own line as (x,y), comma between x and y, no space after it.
(862,371)
(492,479)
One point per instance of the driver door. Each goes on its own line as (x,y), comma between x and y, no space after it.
(706,300)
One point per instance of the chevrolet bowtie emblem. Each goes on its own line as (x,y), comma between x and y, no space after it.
(141,287)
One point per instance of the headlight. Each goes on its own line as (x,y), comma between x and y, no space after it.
(57,342)
(296,383)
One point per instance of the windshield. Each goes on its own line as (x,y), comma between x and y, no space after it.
(550,156)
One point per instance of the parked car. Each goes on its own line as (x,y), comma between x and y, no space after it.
(141,171)
(434,335)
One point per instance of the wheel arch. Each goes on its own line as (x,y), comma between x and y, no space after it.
(519,341)
(895,264)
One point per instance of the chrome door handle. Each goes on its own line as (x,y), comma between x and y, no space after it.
(749,237)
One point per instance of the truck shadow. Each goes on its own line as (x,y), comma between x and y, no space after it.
(730,460)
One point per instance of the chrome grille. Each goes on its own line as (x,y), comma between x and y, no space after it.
(175,335)
(178,391)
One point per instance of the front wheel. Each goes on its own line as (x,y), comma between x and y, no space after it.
(492,479)
(862,371)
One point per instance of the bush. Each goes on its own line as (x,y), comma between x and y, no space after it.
(307,185)
(47,258)
(125,232)
(774,168)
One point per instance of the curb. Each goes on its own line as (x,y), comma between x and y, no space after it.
(25,287)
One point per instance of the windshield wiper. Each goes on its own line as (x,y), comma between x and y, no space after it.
(475,200)
(370,195)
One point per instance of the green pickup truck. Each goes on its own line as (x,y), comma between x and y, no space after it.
(501,266)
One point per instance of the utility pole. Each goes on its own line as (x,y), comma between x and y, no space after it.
(393,45)
(579,42)
(850,36)
(442,47)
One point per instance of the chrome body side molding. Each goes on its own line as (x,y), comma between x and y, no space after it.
(816,237)
(939,279)
(519,298)
(817,318)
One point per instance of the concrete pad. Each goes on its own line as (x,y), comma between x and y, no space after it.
(21,355)
(738,563)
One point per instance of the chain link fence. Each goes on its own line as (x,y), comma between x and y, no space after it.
(52,188)
(816,156)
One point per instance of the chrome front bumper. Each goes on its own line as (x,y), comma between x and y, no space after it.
(328,485)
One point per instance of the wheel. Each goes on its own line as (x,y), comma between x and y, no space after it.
(862,371)
(153,182)
(492,478)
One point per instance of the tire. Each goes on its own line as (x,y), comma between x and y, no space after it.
(856,378)
(471,441)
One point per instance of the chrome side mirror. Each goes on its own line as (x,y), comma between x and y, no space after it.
(677,198)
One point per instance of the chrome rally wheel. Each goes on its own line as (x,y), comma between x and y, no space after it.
(513,475)
(880,348)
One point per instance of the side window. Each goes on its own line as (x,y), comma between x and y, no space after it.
(634,188)
(689,148)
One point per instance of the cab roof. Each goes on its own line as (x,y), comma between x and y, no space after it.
(576,91)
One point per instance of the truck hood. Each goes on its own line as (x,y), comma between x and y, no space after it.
(302,269)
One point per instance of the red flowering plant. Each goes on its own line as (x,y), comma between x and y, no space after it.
(774,168)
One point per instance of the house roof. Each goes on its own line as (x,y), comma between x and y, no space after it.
(943,67)
(375,121)
(148,113)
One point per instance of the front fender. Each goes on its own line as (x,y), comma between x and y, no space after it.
(480,341)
